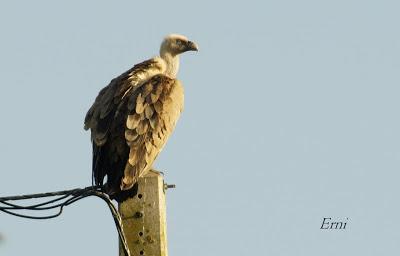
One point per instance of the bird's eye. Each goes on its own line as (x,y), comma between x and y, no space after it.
(179,42)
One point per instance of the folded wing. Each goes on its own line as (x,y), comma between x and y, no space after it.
(130,123)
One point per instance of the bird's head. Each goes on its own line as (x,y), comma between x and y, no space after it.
(176,44)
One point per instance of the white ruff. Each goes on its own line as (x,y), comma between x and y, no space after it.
(171,65)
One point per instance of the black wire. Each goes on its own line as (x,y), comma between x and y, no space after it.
(35,206)
(67,197)
(34,217)
(47,194)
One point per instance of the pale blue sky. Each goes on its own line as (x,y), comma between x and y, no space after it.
(291,115)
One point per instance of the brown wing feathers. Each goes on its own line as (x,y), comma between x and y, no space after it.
(105,119)
(146,125)
(130,125)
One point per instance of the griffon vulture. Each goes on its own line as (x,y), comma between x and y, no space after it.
(132,118)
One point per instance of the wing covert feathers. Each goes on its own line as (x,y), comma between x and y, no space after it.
(149,123)
(130,121)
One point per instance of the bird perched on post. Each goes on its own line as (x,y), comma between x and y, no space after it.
(132,118)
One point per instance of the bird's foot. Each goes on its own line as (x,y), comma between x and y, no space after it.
(157,172)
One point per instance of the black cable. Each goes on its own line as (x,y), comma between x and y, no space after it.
(33,217)
(63,195)
(66,197)
(35,206)
(47,194)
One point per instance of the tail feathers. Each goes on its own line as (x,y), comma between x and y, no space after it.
(120,196)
